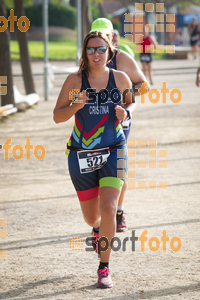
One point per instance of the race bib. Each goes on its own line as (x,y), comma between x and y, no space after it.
(90,161)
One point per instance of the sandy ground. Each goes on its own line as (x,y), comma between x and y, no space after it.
(42,210)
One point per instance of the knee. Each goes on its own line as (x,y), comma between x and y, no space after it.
(108,209)
(92,220)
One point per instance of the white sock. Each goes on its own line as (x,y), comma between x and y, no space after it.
(120,208)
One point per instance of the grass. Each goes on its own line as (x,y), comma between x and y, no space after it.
(60,50)
(57,50)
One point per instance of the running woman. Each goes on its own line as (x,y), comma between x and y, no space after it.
(97,145)
(146,58)
(194,36)
(121,61)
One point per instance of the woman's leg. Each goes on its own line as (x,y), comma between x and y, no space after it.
(86,186)
(91,212)
(108,207)
(122,194)
(195,50)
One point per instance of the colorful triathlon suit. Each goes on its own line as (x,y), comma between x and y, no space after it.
(126,125)
(97,143)
(146,57)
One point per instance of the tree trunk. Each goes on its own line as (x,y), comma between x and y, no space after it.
(86,18)
(5,61)
(24,54)
(102,13)
(73,3)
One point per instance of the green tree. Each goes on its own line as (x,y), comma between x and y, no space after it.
(24,53)
(85,14)
(168,3)
(86,17)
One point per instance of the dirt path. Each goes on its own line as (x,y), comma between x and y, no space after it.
(43,214)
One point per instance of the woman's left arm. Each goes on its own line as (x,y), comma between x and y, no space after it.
(153,40)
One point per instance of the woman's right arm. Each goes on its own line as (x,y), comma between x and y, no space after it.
(63,111)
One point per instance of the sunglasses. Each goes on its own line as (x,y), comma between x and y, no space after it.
(100,50)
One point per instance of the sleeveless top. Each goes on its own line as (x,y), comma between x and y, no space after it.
(96,125)
(194,35)
(146,42)
(112,63)
(194,30)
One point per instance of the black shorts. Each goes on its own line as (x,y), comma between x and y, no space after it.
(87,185)
(146,57)
(194,40)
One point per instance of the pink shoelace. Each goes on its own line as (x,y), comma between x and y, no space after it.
(103,272)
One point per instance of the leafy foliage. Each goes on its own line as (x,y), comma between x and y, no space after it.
(96,14)
(58,15)
(10,3)
(95,2)
(168,3)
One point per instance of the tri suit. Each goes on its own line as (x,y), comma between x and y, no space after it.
(96,127)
